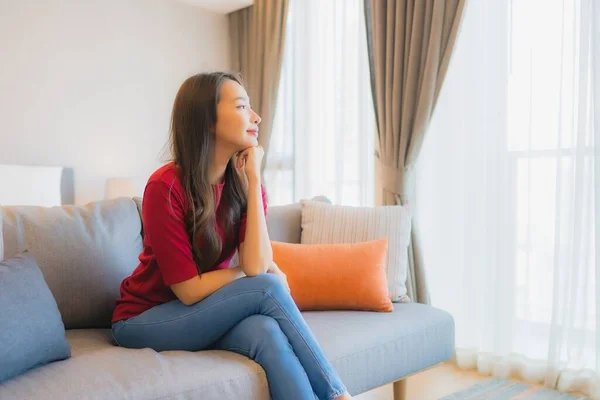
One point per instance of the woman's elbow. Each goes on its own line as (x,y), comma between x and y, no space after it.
(186,291)
(251,273)
(256,268)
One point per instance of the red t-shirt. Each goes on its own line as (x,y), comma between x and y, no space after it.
(167,255)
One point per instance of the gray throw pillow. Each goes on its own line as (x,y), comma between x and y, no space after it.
(32,332)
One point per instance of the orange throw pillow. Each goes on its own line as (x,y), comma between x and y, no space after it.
(348,276)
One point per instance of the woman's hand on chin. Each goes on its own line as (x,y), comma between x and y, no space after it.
(240,167)
(251,159)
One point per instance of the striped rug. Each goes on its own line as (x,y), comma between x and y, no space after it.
(499,389)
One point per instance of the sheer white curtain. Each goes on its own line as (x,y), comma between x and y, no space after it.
(506,204)
(322,140)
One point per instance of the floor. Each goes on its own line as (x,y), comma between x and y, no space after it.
(432,384)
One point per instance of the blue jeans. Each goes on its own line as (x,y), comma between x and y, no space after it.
(253,316)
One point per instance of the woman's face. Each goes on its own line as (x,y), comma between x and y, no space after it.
(237,123)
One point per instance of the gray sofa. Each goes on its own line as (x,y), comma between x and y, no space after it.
(85,251)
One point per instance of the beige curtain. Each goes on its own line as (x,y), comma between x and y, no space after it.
(257,35)
(410,43)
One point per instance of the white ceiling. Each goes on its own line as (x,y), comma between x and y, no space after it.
(220,6)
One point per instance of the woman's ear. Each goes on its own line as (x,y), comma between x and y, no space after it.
(212,128)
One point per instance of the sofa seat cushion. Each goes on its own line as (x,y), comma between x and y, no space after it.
(99,370)
(370,349)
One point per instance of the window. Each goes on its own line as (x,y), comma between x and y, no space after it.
(324,127)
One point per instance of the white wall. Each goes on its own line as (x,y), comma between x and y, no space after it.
(90,84)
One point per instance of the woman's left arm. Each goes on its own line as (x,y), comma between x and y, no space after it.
(255,250)
(256,254)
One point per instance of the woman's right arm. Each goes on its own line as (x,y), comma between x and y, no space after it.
(199,287)
(163,213)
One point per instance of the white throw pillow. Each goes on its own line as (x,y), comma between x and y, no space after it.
(329,224)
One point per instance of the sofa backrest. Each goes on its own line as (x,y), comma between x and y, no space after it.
(284,223)
(86,251)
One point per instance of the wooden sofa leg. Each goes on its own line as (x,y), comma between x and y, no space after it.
(400,390)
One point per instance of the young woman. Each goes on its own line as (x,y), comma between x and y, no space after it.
(197,211)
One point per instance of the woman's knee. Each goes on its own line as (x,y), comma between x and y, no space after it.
(268,282)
